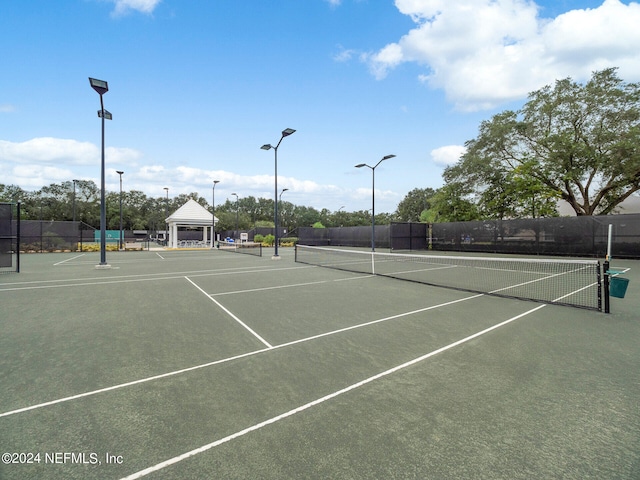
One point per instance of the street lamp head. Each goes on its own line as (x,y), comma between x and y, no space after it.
(234,194)
(266,147)
(216,181)
(119,172)
(287,131)
(285,190)
(387,157)
(107,114)
(360,165)
(99,86)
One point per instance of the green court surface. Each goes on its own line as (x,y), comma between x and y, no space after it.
(210,364)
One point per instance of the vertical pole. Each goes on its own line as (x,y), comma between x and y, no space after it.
(373,209)
(18,240)
(103,208)
(213,215)
(74,200)
(121,234)
(275,200)
(610,236)
(606,287)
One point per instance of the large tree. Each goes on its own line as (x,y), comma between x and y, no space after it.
(579,143)
(414,203)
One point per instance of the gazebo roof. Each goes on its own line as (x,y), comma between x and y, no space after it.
(191,213)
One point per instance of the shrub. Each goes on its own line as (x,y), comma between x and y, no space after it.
(268,240)
(288,241)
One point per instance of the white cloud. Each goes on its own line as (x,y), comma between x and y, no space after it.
(42,161)
(46,150)
(447,155)
(123,7)
(34,176)
(49,150)
(6,108)
(486,52)
(344,55)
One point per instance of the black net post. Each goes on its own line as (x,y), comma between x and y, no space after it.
(18,238)
(607,308)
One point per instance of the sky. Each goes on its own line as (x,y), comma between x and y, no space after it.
(197,87)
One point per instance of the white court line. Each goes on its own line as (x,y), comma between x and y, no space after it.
(160,255)
(574,292)
(541,279)
(228,312)
(293,285)
(143,277)
(69,259)
(204,448)
(229,359)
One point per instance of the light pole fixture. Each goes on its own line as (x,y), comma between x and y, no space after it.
(102,87)
(373,197)
(119,172)
(237,233)
(213,213)
(285,133)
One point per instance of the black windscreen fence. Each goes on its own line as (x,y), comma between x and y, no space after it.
(345,236)
(9,237)
(565,236)
(572,236)
(49,236)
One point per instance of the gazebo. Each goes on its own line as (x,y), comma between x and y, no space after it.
(191,214)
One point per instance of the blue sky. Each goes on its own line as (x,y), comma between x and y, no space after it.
(196,87)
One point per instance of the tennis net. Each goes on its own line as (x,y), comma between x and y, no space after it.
(567,282)
(248,248)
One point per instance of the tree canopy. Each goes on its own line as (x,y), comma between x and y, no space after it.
(578,143)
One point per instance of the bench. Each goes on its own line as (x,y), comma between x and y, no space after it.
(133,246)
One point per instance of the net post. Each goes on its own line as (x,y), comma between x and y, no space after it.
(295,253)
(607,308)
(18,238)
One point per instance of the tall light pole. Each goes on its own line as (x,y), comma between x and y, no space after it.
(285,133)
(213,214)
(102,87)
(236,234)
(283,190)
(373,198)
(119,172)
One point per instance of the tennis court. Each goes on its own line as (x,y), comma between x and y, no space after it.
(212,364)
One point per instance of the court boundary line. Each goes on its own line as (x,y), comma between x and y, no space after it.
(228,359)
(230,313)
(293,285)
(318,401)
(69,259)
(41,284)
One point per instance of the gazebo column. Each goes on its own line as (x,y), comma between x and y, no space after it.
(204,234)
(174,235)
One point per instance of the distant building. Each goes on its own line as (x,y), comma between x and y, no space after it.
(630,205)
